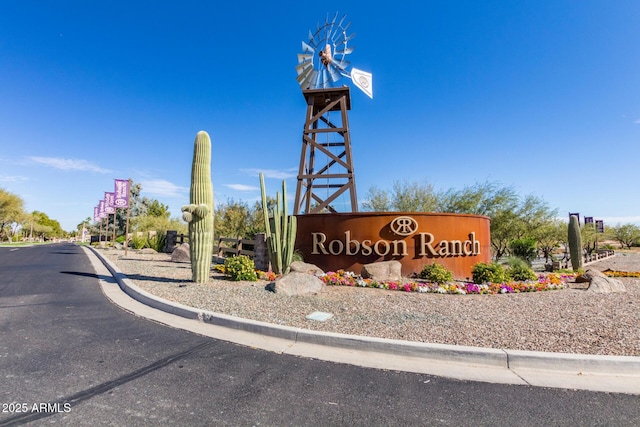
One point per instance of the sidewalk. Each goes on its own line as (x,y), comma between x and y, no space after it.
(618,374)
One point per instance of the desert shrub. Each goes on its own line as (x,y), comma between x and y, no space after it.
(240,267)
(138,242)
(518,270)
(524,248)
(436,273)
(483,272)
(120,239)
(157,242)
(297,256)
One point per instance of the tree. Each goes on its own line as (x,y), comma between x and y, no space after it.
(237,219)
(550,236)
(377,201)
(625,234)
(44,227)
(534,213)
(505,227)
(155,208)
(405,196)
(486,198)
(11,212)
(414,197)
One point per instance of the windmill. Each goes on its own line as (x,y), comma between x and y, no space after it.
(326,164)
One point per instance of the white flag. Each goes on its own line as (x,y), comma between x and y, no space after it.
(363,81)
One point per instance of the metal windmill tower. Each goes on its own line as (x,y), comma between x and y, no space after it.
(326,162)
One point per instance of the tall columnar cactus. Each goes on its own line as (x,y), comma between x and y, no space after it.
(199,213)
(575,242)
(280,230)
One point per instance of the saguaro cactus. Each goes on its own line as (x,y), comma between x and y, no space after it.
(280,230)
(199,213)
(575,242)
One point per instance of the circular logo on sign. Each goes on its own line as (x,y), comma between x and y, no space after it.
(364,81)
(120,202)
(404,225)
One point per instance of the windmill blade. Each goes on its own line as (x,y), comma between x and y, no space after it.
(341,20)
(304,57)
(303,68)
(340,65)
(325,78)
(303,75)
(333,21)
(333,73)
(310,77)
(336,36)
(307,48)
(345,51)
(331,33)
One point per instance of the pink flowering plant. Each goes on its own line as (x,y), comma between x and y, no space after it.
(544,282)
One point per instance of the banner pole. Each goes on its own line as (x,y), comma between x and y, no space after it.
(126,234)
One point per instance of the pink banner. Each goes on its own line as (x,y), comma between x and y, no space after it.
(121,199)
(101,213)
(109,203)
(96,214)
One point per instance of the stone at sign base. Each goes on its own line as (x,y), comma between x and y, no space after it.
(304,267)
(297,283)
(382,271)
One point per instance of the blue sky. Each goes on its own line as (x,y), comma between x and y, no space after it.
(543,96)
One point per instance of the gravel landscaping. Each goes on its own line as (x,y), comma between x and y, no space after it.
(569,320)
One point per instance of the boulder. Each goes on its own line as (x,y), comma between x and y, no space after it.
(181,253)
(580,278)
(148,251)
(297,283)
(303,267)
(382,271)
(601,284)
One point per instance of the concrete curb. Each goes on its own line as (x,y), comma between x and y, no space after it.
(561,370)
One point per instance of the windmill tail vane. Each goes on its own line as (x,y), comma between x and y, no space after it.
(323,62)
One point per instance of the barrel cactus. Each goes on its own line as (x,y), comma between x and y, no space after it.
(575,243)
(199,213)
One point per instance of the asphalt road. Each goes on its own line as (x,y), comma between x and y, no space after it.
(68,356)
